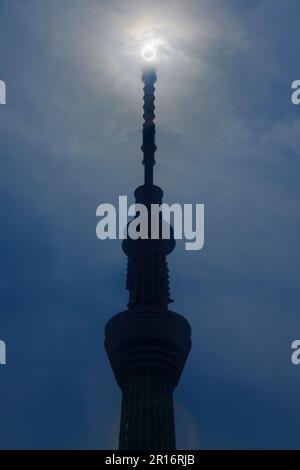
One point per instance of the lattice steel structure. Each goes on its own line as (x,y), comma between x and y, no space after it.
(148,344)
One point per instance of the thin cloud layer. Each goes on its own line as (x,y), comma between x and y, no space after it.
(227,137)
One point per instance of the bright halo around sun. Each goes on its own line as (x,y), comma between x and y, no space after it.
(149,53)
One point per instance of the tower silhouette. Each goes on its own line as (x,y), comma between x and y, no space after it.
(148,344)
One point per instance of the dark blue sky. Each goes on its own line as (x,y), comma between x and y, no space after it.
(228,137)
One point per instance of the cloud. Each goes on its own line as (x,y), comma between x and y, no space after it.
(227,137)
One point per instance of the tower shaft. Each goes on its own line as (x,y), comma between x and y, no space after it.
(147,415)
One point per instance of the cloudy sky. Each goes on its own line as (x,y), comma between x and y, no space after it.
(228,136)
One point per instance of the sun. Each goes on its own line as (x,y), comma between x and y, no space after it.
(148,53)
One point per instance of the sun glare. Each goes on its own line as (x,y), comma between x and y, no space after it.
(148,53)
